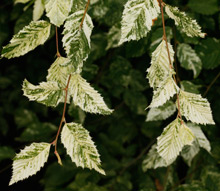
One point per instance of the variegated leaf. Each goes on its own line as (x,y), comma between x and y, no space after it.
(21,1)
(162,112)
(137,19)
(29,161)
(76,40)
(186,24)
(58,10)
(154,160)
(48,93)
(114,36)
(36,33)
(80,147)
(195,108)
(160,66)
(189,152)
(189,59)
(174,137)
(86,97)
(167,89)
(38,9)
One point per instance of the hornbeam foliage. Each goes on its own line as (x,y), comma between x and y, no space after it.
(29,161)
(76,40)
(174,137)
(21,1)
(36,33)
(189,152)
(160,66)
(137,19)
(86,97)
(195,108)
(154,160)
(38,9)
(48,93)
(186,24)
(80,147)
(58,10)
(167,89)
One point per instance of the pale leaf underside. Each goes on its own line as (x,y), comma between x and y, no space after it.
(80,147)
(36,33)
(195,108)
(29,161)
(38,9)
(58,10)
(76,41)
(186,24)
(174,137)
(160,66)
(86,97)
(137,19)
(162,94)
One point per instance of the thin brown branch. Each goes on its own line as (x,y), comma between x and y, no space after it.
(169,57)
(62,120)
(211,84)
(57,45)
(84,15)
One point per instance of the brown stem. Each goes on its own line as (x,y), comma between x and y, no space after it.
(62,120)
(168,52)
(211,84)
(84,15)
(57,46)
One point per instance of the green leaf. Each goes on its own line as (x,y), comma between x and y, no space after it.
(209,52)
(58,71)
(58,10)
(6,152)
(186,24)
(86,97)
(204,7)
(38,9)
(195,108)
(76,41)
(193,186)
(29,161)
(114,35)
(162,112)
(31,36)
(160,66)
(174,137)
(80,147)
(188,86)
(48,93)
(137,19)
(167,89)
(154,160)
(21,1)
(189,59)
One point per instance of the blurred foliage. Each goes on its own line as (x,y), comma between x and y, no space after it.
(118,73)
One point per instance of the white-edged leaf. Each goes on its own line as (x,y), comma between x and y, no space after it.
(36,33)
(154,160)
(162,94)
(174,137)
(195,108)
(86,97)
(58,71)
(186,24)
(76,41)
(58,10)
(189,152)
(200,137)
(80,147)
(137,19)
(48,93)
(160,66)
(21,1)
(29,161)
(38,9)
(189,59)
(162,112)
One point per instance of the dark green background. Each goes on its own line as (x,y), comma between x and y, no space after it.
(124,137)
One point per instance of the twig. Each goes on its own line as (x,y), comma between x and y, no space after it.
(211,84)
(57,45)
(84,15)
(168,52)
